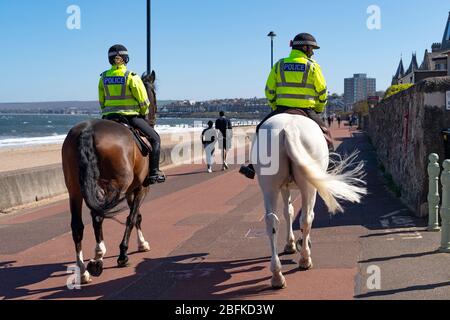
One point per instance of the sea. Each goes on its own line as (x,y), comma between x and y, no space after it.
(20,130)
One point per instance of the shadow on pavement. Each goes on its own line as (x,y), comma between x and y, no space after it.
(186,174)
(378,203)
(407,289)
(392,233)
(178,277)
(408,255)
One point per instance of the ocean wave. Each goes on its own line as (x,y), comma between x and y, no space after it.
(22,142)
(58,139)
(10,140)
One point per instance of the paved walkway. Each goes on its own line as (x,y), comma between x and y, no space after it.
(208,241)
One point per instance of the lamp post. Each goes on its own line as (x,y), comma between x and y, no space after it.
(271,35)
(149,38)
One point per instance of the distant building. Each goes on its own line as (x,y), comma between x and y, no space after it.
(335,103)
(358,88)
(254,105)
(435,63)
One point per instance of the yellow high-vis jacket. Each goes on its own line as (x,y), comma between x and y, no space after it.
(297,82)
(122,92)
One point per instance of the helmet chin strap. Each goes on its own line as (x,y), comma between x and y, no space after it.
(118,60)
(309,51)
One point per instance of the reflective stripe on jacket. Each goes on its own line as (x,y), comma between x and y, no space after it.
(122,92)
(297,82)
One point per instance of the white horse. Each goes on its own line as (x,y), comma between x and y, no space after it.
(302,164)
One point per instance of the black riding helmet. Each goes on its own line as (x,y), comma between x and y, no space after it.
(118,50)
(304,39)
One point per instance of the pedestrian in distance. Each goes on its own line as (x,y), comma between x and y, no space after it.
(339,121)
(209,139)
(225,130)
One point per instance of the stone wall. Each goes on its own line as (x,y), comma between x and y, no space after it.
(405,129)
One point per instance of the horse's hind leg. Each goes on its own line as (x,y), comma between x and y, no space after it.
(309,194)
(134,201)
(100,248)
(272,227)
(289,217)
(95,267)
(77,226)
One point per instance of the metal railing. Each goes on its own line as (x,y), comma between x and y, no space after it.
(435,206)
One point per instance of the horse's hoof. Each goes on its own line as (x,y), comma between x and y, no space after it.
(95,267)
(290,249)
(299,244)
(278,282)
(85,278)
(305,265)
(145,247)
(123,263)
(99,254)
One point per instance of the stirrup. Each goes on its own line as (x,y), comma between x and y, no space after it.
(248,172)
(157,178)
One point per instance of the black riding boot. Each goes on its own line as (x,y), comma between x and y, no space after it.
(155,175)
(248,171)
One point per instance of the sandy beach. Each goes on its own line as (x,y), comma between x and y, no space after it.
(41,155)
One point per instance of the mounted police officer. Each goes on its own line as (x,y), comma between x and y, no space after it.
(296,82)
(122,93)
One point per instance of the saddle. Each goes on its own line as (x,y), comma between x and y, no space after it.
(302,112)
(140,139)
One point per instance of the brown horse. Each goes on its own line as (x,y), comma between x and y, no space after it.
(103,166)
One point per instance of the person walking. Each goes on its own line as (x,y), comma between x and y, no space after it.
(223,125)
(339,121)
(209,139)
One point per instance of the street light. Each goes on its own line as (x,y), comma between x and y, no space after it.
(149,38)
(271,35)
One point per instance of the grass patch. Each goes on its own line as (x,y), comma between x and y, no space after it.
(390,184)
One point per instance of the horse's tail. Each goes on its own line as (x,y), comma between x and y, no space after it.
(332,185)
(97,199)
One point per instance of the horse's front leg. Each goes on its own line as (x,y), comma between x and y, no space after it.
(143,246)
(134,201)
(290,247)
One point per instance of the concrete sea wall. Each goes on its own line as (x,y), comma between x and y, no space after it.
(34,184)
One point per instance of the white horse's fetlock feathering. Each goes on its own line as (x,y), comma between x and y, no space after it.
(339,183)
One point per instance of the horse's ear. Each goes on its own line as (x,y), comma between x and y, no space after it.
(152,77)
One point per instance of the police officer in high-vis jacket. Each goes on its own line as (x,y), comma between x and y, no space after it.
(123,93)
(296,82)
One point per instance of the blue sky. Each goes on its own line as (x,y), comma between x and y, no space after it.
(204,49)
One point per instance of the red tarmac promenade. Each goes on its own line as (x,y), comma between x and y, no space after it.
(208,241)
